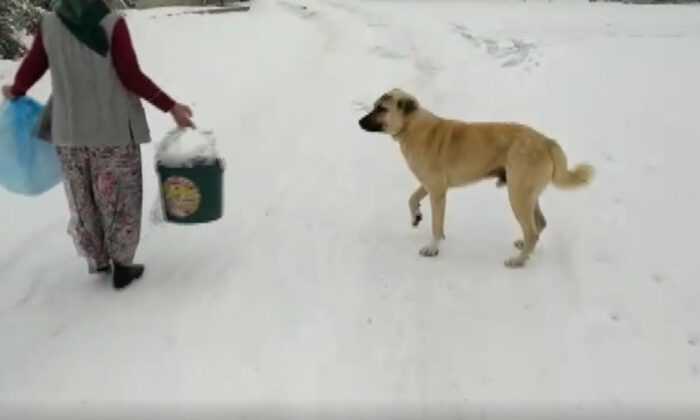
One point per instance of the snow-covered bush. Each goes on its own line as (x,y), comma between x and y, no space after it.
(16,18)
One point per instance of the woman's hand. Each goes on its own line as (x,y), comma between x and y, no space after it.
(182,114)
(7,93)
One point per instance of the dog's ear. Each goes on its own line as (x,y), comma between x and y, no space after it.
(407,105)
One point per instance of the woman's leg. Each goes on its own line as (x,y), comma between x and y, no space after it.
(117,188)
(86,222)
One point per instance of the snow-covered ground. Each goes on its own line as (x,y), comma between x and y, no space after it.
(311,292)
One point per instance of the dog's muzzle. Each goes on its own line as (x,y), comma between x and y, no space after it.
(369,124)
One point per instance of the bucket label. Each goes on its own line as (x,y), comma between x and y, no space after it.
(182,197)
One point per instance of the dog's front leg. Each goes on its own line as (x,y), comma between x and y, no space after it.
(414,205)
(437,207)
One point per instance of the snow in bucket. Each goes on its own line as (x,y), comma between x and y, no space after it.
(186,147)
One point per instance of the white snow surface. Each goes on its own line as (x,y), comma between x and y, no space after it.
(310,294)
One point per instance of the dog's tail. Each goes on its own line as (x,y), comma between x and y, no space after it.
(580,176)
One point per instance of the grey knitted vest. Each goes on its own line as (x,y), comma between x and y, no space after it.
(90,106)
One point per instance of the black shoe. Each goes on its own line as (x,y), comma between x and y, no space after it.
(124,275)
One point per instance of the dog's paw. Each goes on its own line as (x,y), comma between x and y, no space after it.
(416,219)
(514,262)
(429,251)
(519,244)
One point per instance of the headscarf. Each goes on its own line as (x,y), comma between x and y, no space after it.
(83,18)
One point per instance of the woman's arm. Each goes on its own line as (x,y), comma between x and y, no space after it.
(129,71)
(127,66)
(33,67)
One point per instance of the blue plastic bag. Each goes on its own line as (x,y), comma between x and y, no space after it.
(28,165)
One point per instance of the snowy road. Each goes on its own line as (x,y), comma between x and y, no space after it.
(311,290)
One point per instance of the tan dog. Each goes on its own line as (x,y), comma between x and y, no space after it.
(444,154)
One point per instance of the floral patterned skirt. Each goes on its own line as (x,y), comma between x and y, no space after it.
(104,190)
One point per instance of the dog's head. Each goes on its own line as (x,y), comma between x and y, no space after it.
(390,113)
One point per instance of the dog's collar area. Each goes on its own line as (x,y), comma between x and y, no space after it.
(404,127)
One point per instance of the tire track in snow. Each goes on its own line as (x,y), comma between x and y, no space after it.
(26,246)
(21,286)
(418,375)
(19,292)
(403,48)
(369,19)
(417,357)
(426,67)
(14,300)
(375,24)
(510,53)
(329,31)
(292,82)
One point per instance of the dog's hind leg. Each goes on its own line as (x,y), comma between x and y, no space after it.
(500,175)
(540,223)
(414,205)
(540,220)
(523,206)
(438,201)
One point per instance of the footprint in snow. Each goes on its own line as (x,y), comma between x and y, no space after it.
(652,168)
(377,25)
(511,53)
(361,106)
(658,278)
(387,53)
(603,259)
(298,9)
(463,32)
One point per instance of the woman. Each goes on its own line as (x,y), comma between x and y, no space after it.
(97,127)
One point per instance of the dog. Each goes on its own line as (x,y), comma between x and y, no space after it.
(446,153)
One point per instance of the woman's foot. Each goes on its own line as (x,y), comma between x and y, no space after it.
(103,268)
(124,275)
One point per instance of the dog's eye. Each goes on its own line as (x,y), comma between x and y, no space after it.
(380,108)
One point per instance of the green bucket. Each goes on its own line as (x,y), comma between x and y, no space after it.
(192,194)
